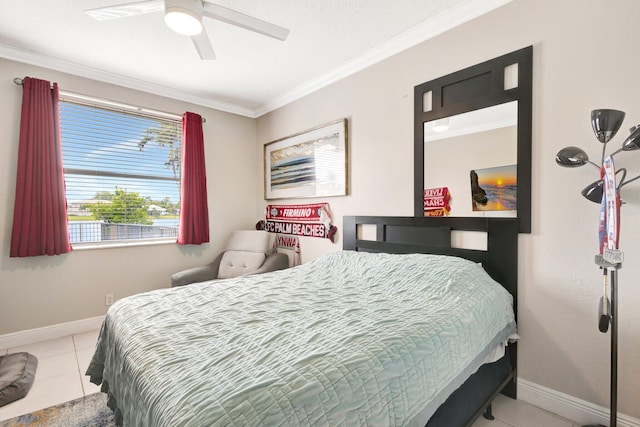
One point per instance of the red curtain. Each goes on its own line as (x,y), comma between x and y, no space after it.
(40,210)
(194,211)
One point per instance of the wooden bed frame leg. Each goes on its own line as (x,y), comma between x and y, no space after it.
(488,414)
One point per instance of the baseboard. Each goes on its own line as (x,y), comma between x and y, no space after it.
(568,406)
(46,333)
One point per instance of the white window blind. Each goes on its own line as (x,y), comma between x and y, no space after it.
(122,174)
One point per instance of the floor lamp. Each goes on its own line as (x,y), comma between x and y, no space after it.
(606,192)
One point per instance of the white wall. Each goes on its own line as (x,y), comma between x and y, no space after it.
(41,291)
(584,58)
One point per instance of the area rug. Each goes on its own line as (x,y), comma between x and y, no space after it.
(89,411)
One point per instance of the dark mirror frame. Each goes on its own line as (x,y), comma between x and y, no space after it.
(473,88)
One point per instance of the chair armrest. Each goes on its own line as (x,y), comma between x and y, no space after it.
(197,274)
(275,261)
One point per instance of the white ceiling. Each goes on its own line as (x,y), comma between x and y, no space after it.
(253,74)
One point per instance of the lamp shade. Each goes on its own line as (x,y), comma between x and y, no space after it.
(605,123)
(633,141)
(594,191)
(572,157)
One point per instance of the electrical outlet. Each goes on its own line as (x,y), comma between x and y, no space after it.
(108,299)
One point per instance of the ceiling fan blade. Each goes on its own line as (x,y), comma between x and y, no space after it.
(203,45)
(241,20)
(126,9)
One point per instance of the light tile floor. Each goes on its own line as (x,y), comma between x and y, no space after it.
(63,362)
(60,375)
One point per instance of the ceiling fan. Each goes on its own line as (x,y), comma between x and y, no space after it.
(185,17)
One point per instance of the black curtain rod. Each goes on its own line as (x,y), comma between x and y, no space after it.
(18,81)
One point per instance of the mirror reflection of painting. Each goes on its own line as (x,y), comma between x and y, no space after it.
(494,189)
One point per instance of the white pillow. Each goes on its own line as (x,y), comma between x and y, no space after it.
(237,263)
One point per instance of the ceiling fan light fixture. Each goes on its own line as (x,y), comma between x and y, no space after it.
(441,125)
(184,16)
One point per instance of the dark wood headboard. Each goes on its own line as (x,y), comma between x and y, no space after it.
(433,236)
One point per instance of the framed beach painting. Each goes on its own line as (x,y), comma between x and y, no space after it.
(313,163)
(494,189)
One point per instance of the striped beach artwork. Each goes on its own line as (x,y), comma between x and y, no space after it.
(297,165)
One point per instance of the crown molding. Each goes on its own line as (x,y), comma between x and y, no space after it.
(428,29)
(447,20)
(69,67)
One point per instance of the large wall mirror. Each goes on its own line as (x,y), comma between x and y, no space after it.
(473,136)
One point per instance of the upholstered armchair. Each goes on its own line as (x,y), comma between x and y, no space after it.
(247,252)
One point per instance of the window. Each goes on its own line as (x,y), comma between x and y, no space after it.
(122,173)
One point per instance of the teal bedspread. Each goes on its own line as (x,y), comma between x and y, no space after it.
(349,339)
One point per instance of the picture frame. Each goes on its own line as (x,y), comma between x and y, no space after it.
(494,188)
(312,163)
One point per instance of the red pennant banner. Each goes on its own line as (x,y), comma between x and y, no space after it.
(313,220)
(299,229)
(318,212)
(436,201)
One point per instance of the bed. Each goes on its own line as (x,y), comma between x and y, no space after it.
(382,333)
